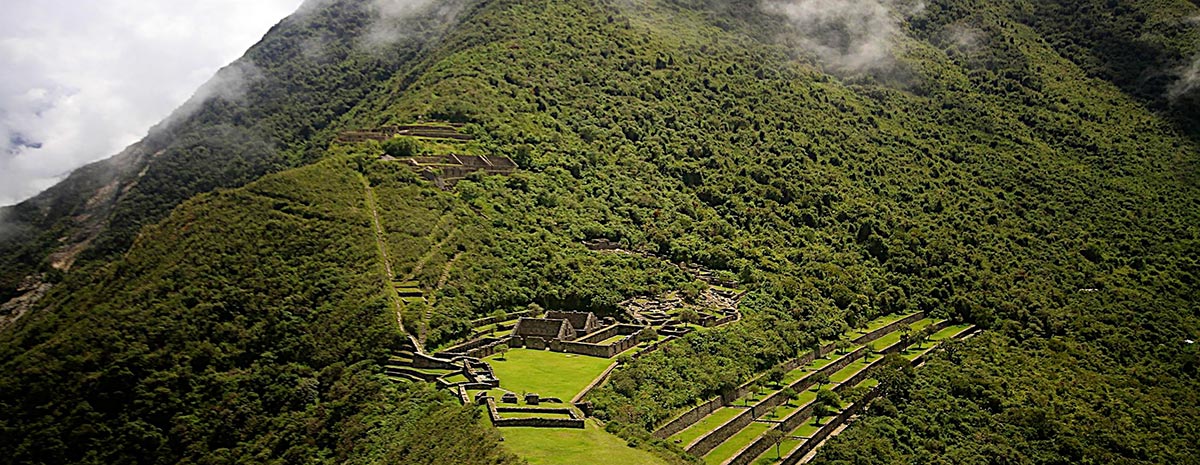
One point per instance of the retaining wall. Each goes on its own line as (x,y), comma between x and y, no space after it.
(492,319)
(420,360)
(805,448)
(693,415)
(500,422)
(873,335)
(714,438)
(655,346)
(596,382)
(467,346)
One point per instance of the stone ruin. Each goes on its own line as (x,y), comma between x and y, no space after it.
(446,170)
(432,131)
(584,323)
(536,333)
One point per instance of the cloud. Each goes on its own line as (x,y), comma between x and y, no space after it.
(390,26)
(1188,75)
(230,83)
(82,80)
(848,36)
(1188,80)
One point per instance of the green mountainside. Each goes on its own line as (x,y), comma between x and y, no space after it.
(226,291)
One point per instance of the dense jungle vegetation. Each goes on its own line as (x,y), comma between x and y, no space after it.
(1012,164)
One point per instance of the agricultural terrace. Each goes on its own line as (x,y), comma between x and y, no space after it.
(801,428)
(734,434)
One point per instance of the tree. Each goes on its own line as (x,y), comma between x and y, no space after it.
(790,394)
(827,403)
(776,375)
(821,379)
(502,349)
(895,377)
(842,346)
(870,351)
(401,147)
(815,346)
(535,310)
(648,335)
(776,437)
(689,316)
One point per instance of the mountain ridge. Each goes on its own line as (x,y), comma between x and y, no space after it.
(988,180)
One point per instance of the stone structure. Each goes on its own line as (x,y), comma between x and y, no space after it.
(447,170)
(583,322)
(555,417)
(432,131)
(535,333)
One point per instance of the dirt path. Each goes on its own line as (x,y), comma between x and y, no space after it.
(369,195)
(433,250)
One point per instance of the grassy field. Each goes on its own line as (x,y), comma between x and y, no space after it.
(708,423)
(735,443)
(543,446)
(879,323)
(549,374)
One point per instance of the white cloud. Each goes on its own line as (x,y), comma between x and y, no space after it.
(85,78)
(850,36)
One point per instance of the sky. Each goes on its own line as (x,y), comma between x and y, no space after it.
(80,80)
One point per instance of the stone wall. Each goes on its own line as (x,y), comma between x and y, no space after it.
(714,438)
(535,343)
(602,334)
(873,335)
(467,346)
(830,426)
(499,421)
(487,350)
(595,350)
(420,360)
(596,382)
(492,319)
(693,415)
(655,346)
(689,418)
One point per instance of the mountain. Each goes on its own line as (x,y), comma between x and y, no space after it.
(226,289)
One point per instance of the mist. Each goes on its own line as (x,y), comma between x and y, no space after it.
(846,36)
(390,25)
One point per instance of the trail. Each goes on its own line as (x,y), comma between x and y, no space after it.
(369,194)
(424,260)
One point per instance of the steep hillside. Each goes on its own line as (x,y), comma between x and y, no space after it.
(270,110)
(247,326)
(994,163)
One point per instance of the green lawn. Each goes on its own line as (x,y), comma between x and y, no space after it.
(706,424)
(611,340)
(533,415)
(549,374)
(883,321)
(805,430)
(554,446)
(735,443)
(887,340)
(949,332)
(850,370)
(922,324)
